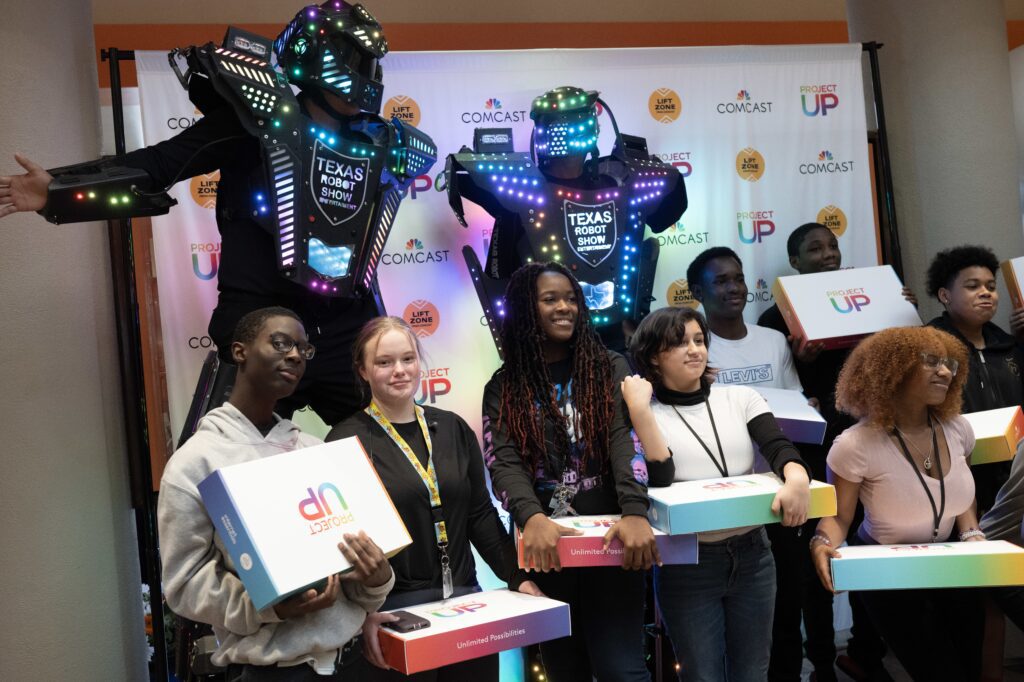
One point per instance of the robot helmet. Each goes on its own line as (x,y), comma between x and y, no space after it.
(565,123)
(335,48)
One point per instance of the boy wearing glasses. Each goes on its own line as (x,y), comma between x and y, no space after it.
(313,635)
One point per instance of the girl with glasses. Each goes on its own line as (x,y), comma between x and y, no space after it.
(908,462)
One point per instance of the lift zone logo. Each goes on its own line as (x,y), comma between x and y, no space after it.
(848,300)
(317,510)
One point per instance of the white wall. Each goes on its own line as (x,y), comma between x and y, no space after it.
(68,559)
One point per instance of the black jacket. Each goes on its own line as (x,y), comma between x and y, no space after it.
(524,495)
(994,380)
(469,513)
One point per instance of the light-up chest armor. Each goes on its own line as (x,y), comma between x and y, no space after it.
(596,233)
(330,197)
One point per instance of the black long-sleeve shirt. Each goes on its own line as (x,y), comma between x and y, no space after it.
(469,513)
(523,494)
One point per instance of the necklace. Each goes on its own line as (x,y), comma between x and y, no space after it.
(927,458)
(937,510)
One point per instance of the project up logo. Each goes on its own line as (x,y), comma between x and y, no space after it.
(316,508)
(205,259)
(458,609)
(818,100)
(848,300)
(755,226)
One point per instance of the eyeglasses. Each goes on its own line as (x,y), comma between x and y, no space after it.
(932,362)
(283,344)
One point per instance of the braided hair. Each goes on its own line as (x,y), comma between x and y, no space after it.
(528,398)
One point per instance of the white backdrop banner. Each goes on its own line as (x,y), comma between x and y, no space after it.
(767,138)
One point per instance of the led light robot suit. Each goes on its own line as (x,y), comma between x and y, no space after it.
(304,210)
(593,223)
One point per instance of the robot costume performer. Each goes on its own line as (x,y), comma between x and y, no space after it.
(592,223)
(304,210)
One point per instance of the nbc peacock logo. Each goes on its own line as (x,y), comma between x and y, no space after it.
(492,103)
(742,96)
(414,244)
(824,155)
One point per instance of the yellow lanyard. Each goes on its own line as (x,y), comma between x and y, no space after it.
(428,475)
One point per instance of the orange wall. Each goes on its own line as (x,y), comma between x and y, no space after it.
(509,36)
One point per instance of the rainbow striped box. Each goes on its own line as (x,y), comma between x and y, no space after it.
(1013,273)
(472,626)
(996,434)
(575,551)
(281,518)
(841,307)
(721,503)
(799,421)
(908,567)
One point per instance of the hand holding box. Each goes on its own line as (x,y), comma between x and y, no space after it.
(722,503)
(475,625)
(281,518)
(841,307)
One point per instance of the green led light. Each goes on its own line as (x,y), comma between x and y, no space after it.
(92,195)
(113,201)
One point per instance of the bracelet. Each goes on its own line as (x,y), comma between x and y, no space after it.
(820,538)
(971,533)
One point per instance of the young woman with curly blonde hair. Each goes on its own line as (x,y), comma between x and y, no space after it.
(908,461)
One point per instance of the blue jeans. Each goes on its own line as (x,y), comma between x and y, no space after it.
(719,611)
(606,608)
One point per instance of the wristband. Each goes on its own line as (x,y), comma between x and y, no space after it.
(820,538)
(971,533)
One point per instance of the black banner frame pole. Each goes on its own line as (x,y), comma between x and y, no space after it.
(891,251)
(133,394)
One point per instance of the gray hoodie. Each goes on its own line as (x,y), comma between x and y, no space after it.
(200,581)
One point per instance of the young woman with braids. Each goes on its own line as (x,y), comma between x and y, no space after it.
(557,443)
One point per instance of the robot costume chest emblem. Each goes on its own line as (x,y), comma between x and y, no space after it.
(338,183)
(590,229)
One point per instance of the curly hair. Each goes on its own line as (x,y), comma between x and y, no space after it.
(661,330)
(947,265)
(528,398)
(873,376)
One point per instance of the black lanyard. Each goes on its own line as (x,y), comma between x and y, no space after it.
(936,513)
(723,468)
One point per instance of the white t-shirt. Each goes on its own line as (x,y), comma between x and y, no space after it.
(761,358)
(733,407)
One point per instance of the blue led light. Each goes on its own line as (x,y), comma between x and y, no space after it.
(330,261)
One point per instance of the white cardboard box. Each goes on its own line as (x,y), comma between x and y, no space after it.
(1013,273)
(841,307)
(588,549)
(951,564)
(733,502)
(282,517)
(799,421)
(996,434)
(474,625)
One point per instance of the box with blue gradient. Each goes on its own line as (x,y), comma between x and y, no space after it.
(926,566)
(799,421)
(281,518)
(722,503)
